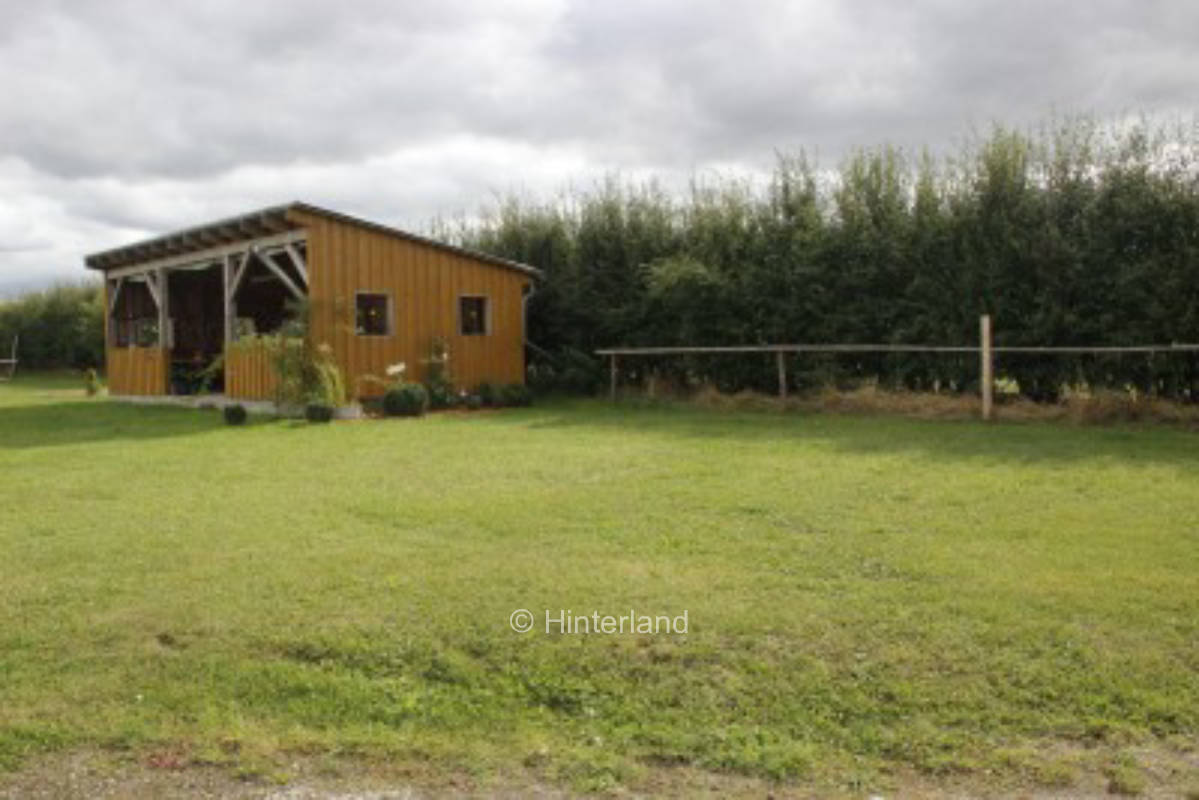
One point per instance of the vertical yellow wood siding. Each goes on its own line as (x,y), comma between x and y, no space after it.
(136,370)
(248,372)
(133,370)
(424,284)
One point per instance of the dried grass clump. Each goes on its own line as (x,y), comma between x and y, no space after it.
(711,398)
(870,399)
(1097,408)
(1015,408)
(1108,407)
(664,387)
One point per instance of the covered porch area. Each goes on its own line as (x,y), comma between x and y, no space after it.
(176,307)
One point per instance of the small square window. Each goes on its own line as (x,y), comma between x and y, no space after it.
(372,314)
(472,316)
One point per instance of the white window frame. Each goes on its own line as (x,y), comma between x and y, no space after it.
(486,313)
(391,313)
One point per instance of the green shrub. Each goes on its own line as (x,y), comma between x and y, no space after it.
(405,400)
(305,372)
(318,412)
(569,371)
(91,383)
(515,395)
(330,388)
(437,374)
(487,393)
(473,402)
(441,394)
(235,414)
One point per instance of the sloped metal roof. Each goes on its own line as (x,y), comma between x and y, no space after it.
(260,223)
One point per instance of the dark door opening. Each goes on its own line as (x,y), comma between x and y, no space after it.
(196,302)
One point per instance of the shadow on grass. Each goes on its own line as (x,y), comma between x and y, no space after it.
(66,423)
(976,441)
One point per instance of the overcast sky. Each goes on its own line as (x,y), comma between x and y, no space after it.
(128,118)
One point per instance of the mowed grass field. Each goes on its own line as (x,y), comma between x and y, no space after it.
(870,601)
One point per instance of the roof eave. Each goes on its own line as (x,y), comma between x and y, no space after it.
(262,222)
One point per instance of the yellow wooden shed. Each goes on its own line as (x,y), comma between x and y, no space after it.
(377,296)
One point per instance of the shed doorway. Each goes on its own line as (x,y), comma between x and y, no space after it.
(196,301)
(260,303)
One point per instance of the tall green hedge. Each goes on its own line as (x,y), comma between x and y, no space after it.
(59,327)
(1078,234)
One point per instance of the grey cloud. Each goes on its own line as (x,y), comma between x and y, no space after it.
(122,88)
(128,117)
(832,76)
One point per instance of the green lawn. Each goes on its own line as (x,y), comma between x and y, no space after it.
(867,598)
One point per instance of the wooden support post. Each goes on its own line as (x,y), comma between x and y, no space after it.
(612,377)
(227,296)
(162,296)
(987,377)
(782,364)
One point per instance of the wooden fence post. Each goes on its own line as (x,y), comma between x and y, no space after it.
(612,377)
(988,366)
(782,362)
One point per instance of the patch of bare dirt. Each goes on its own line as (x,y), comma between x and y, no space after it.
(1052,772)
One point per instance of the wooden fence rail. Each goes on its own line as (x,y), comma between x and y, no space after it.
(984,348)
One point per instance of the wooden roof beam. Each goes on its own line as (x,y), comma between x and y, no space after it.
(298,261)
(115,295)
(274,267)
(137,266)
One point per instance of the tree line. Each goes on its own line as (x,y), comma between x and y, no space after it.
(1077,233)
(59,327)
